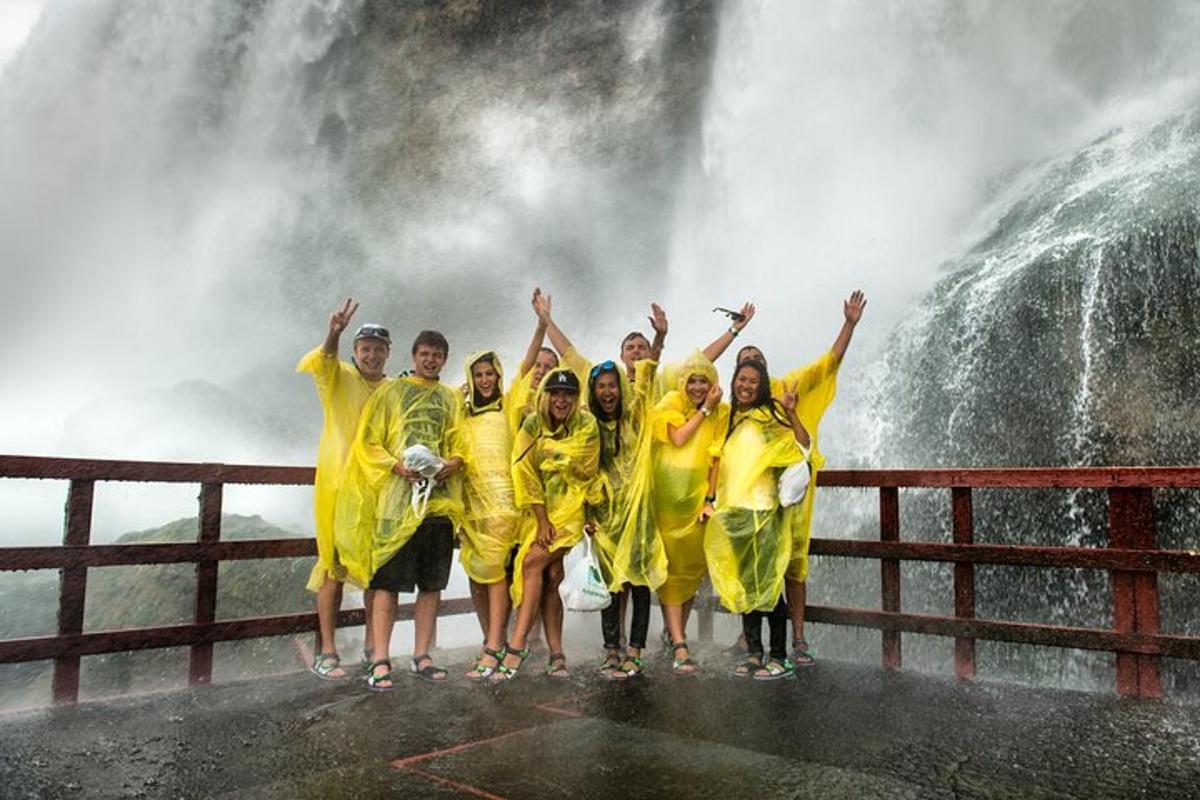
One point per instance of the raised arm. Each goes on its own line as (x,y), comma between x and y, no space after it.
(658,321)
(540,302)
(852,310)
(718,346)
(338,321)
(680,435)
(558,339)
(788,401)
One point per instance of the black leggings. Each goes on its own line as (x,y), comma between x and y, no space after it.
(610,619)
(777,621)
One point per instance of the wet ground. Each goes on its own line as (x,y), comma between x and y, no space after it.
(837,731)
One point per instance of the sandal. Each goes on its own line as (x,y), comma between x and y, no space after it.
(505,673)
(611,662)
(556,666)
(428,672)
(752,664)
(374,681)
(685,665)
(324,665)
(801,655)
(631,667)
(775,670)
(481,670)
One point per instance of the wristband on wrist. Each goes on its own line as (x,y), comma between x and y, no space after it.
(733,331)
(706,411)
(712,498)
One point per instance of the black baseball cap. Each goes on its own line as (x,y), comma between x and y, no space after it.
(562,380)
(372,331)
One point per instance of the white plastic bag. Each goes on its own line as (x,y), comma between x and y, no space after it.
(793,483)
(583,588)
(426,463)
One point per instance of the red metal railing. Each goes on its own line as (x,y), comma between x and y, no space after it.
(1132,559)
(77,555)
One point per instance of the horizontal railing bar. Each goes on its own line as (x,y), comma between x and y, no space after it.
(1016,555)
(1017,477)
(41,648)
(1018,632)
(151,471)
(114,555)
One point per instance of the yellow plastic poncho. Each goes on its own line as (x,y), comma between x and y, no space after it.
(375,515)
(627,541)
(556,469)
(681,481)
(490,517)
(520,401)
(815,385)
(343,392)
(748,542)
(663,380)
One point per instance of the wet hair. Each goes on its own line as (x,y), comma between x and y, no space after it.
(634,335)
(763,398)
(740,358)
(606,459)
(431,339)
(477,399)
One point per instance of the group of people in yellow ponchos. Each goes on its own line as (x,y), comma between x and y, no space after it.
(670,482)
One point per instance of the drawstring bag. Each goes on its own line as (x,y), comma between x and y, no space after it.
(423,461)
(583,589)
(793,483)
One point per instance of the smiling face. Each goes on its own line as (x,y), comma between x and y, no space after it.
(607,391)
(485,380)
(370,355)
(546,360)
(562,403)
(428,361)
(746,386)
(635,348)
(697,389)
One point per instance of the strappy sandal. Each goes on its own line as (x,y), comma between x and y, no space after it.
(611,662)
(631,667)
(481,670)
(801,655)
(428,672)
(325,663)
(685,665)
(374,680)
(775,670)
(556,666)
(504,673)
(752,664)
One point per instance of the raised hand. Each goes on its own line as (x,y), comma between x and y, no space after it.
(853,307)
(747,313)
(788,399)
(339,319)
(541,306)
(658,319)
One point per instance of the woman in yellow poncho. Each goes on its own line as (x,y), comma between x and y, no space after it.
(814,386)
(687,424)
(343,390)
(629,549)
(490,517)
(748,539)
(556,457)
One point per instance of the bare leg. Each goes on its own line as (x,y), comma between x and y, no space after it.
(797,593)
(329,600)
(383,610)
(673,616)
(369,613)
(537,561)
(552,610)
(425,621)
(497,594)
(481,598)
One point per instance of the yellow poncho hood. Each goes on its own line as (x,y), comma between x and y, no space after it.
(497,401)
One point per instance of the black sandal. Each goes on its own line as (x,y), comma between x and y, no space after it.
(685,665)
(480,670)
(374,680)
(504,673)
(559,671)
(751,665)
(429,672)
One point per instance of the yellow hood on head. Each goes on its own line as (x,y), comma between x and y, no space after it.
(491,405)
(696,364)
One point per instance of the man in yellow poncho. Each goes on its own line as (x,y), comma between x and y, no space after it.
(556,457)
(343,390)
(814,386)
(401,503)
(687,425)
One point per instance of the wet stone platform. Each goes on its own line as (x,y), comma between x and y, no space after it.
(836,731)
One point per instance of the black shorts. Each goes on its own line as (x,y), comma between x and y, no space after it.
(423,563)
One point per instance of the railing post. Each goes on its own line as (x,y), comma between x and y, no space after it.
(964,581)
(889,570)
(1135,594)
(72,587)
(200,671)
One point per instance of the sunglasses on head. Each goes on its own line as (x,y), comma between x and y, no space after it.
(605,366)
